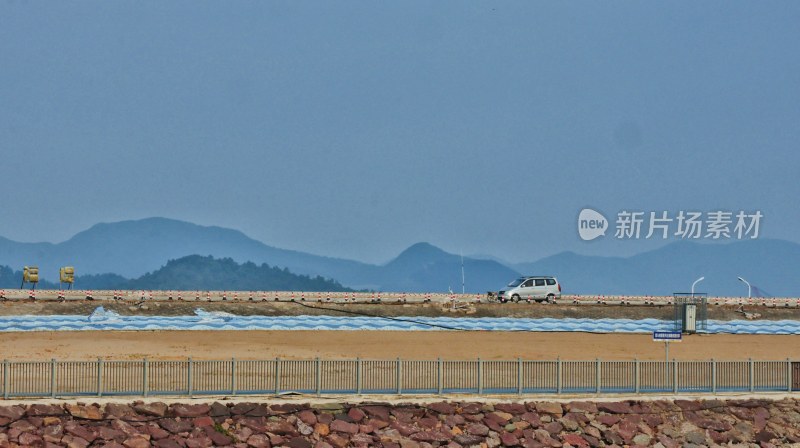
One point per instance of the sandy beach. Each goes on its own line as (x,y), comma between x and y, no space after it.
(81,345)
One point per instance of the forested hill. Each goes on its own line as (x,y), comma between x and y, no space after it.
(208,273)
(195,272)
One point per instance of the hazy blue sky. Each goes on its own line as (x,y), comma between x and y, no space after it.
(358,128)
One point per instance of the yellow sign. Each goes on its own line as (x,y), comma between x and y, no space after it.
(67,274)
(30,274)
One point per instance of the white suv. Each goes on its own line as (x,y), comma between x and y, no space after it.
(538,288)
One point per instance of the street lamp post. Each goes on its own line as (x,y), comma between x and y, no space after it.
(749,289)
(696,282)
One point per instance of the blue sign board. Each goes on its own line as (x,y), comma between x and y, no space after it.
(674,336)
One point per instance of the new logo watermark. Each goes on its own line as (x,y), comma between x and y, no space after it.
(713,225)
(591,224)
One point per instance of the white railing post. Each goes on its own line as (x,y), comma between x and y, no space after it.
(674,376)
(189,378)
(597,375)
(233,376)
(7,381)
(358,376)
(399,377)
(53,378)
(713,376)
(480,376)
(145,373)
(318,376)
(752,379)
(637,373)
(99,377)
(519,376)
(788,375)
(559,384)
(439,376)
(277,376)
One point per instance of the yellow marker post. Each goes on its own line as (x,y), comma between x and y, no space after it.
(30,274)
(66,275)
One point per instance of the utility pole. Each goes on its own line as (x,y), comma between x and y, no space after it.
(462,273)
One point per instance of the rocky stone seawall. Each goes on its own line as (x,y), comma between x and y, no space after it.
(678,423)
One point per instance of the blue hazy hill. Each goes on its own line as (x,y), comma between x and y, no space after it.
(132,248)
(770,265)
(424,265)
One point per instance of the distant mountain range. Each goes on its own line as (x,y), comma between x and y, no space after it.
(195,272)
(771,266)
(131,249)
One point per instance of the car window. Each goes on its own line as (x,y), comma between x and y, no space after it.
(528,284)
(551,281)
(539,282)
(516,282)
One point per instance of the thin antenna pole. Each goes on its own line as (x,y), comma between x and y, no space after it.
(462,272)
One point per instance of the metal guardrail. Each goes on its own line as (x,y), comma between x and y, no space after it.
(413,377)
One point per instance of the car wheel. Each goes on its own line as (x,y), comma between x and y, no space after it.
(551,298)
(515,298)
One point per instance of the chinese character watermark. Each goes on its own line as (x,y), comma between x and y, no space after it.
(692,224)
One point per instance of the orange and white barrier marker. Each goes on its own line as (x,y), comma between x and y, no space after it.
(89,295)
(2,294)
(32,294)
